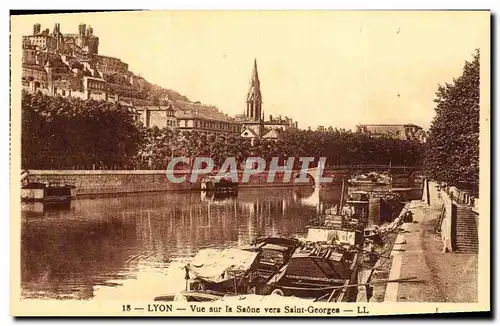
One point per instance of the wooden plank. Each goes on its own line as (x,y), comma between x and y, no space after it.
(311,278)
(297,283)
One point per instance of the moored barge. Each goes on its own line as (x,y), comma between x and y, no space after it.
(218,184)
(47,193)
(323,272)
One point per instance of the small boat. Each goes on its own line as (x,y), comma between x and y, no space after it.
(47,193)
(231,270)
(239,270)
(326,272)
(358,197)
(218,197)
(274,252)
(219,184)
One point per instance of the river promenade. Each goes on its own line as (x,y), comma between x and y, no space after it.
(442,277)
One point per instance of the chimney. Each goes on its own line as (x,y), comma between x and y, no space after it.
(36,29)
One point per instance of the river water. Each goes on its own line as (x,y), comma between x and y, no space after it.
(134,247)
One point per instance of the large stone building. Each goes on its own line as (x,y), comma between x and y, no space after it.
(69,65)
(84,41)
(397,131)
(110,65)
(187,116)
(158,116)
(253,121)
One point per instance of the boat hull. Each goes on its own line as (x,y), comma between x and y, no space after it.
(47,195)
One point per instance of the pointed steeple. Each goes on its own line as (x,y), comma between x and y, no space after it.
(254,84)
(254,96)
(255,74)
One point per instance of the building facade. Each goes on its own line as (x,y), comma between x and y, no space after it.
(280,123)
(110,65)
(158,116)
(69,65)
(83,41)
(397,131)
(179,116)
(253,121)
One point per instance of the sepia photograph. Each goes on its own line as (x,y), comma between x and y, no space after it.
(250,163)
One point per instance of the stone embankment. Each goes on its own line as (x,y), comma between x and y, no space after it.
(434,249)
(439,248)
(100,182)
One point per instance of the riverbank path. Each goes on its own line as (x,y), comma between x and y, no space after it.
(443,277)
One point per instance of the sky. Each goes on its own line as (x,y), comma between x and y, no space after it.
(329,68)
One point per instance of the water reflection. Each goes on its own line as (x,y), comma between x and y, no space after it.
(125,246)
(134,246)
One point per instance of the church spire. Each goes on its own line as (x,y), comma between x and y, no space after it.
(255,74)
(254,96)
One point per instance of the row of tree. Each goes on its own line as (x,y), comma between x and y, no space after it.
(339,148)
(452,153)
(62,133)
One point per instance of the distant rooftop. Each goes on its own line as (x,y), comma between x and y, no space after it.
(187,110)
(199,111)
(388,125)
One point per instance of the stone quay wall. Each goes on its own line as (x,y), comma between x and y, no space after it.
(447,198)
(100,182)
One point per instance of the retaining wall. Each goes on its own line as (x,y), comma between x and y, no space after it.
(98,182)
(436,197)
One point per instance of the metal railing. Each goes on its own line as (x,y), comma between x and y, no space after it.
(461,197)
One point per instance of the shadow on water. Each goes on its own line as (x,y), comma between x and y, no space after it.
(67,258)
(68,253)
(110,243)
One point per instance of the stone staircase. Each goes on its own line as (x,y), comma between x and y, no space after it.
(466,233)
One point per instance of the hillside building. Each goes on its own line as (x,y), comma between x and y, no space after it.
(397,131)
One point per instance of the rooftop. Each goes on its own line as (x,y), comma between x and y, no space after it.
(194,110)
(388,125)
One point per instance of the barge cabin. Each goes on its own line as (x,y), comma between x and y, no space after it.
(326,273)
(47,193)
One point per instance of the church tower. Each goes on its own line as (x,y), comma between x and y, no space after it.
(254,97)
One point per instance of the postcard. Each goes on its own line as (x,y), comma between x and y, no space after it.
(250,163)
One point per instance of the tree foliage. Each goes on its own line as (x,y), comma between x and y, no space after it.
(62,133)
(68,133)
(339,148)
(452,153)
